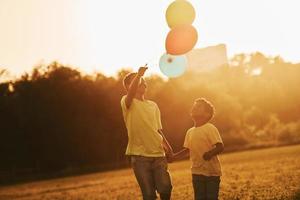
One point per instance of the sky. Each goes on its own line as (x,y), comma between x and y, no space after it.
(105,36)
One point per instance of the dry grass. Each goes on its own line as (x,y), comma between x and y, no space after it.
(259,174)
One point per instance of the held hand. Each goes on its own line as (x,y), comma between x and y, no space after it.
(170,157)
(207,156)
(169,154)
(142,70)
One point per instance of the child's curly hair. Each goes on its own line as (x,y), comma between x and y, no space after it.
(208,107)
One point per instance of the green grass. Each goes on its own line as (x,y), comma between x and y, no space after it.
(259,174)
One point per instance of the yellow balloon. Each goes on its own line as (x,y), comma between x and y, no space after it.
(180,12)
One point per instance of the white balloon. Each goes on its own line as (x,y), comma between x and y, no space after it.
(173,66)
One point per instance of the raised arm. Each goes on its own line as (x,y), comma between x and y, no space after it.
(134,86)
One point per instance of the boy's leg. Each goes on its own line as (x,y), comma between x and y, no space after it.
(213,183)
(162,178)
(199,185)
(144,175)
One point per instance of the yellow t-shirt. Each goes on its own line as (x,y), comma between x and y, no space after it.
(142,121)
(200,140)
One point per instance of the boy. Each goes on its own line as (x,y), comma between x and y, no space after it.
(203,143)
(146,142)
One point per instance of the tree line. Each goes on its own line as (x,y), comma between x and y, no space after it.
(56,118)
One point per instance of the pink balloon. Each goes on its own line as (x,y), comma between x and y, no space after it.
(181,40)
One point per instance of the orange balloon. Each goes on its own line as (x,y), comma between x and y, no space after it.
(181,40)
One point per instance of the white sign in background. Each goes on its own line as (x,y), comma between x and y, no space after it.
(207,58)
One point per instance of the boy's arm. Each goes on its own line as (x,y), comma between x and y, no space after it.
(166,144)
(217,150)
(134,86)
(181,154)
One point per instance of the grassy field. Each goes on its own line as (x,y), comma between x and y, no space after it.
(259,174)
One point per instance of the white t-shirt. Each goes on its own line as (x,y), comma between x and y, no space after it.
(200,140)
(142,121)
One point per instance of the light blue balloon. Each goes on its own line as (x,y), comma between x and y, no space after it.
(173,66)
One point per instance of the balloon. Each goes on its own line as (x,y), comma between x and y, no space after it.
(180,12)
(172,66)
(181,40)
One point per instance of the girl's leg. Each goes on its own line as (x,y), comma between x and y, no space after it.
(144,175)
(162,178)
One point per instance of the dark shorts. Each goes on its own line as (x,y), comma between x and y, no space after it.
(206,187)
